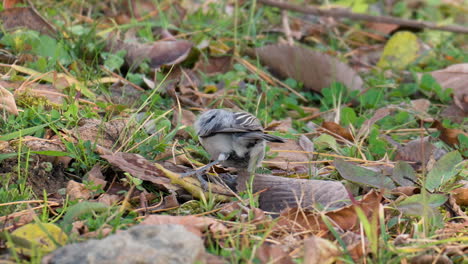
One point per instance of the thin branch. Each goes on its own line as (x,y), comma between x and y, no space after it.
(342,13)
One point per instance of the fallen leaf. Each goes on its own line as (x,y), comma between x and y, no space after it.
(454,113)
(279,193)
(301,63)
(382,28)
(25,17)
(449,135)
(418,152)
(43,235)
(307,145)
(7,101)
(125,94)
(455,77)
(421,105)
(320,251)
(378,115)
(429,259)
(406,190)
(345,218)
(290,157)
(195,224)
(214,65)
(157,54)
(109,199)
(362,175)
(54,149)
(335,129)
(140,168)
(104,134)
(185,118)
(284,125)
(273,254)
(461,194)
(77,191)
(401,50)
(95,175)
(356,244)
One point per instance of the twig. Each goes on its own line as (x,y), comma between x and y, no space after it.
(342,13)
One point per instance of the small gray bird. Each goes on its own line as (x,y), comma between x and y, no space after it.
(234,139)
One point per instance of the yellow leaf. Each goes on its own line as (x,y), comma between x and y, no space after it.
(41,236)
(7,101)
(401,50)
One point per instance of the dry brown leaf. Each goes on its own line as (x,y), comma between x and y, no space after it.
(186,118)
(430,259)
(109,199)
(288,158)
(418,152)
(105,134)
(25,17)
(77,191)
(301,63)
(335,129)
(461,194)
(55,144)
(406,190)
(157,54)
(140,168)
(278,193)
(125,94)
(346,218)
(382,28)
(454,113)
(421,105)
(95,175)
(214,65)
(319,251)
(281,125)
(449,135)
(273,254)
(379,114)
(7,101)
(455,77)
(355,246)
(195,224)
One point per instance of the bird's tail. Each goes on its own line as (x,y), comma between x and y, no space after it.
(273,138)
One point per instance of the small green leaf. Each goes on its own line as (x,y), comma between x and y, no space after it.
(326,141)
(414,205)
(444,169)
(363,176)
(403,174)
(7,155)
(81,209)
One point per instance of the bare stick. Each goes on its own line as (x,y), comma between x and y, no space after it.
(342,13)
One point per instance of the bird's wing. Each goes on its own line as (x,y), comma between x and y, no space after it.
(246,122)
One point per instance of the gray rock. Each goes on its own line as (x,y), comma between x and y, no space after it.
(140,244)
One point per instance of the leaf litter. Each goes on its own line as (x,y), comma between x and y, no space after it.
(312,211)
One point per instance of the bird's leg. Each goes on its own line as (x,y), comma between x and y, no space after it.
(199,171)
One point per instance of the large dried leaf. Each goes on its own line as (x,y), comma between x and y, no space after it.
(279,193)
(7,101)
(346,218)
(455,77)
(363,176)
(25,17)
(314,69)
(157,54)
(273,254)
(140,168)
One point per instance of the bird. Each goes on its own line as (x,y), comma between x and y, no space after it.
(233,139)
